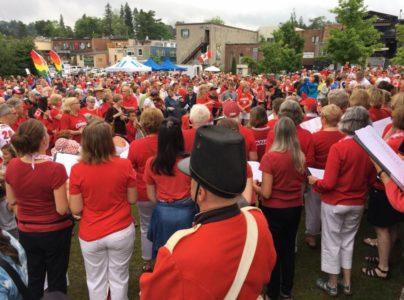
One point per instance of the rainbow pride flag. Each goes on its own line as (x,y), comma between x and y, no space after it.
(56,61)
(40,64)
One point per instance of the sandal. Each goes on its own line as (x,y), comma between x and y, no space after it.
(322,284)
(372,259)
(346,289)
(371,272)
(370,242)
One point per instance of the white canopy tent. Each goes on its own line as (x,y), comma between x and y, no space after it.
(129,65)
(212,69)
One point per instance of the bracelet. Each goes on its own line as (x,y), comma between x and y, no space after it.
(379,174)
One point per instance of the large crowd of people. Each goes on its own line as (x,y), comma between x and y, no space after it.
(179,147)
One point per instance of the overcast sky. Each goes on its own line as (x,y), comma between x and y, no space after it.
(242,13)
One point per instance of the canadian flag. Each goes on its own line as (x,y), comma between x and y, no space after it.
(205,56)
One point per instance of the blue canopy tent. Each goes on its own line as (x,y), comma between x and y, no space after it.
(169,66)
(152,64)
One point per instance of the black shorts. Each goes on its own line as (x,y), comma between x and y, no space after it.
(380,211)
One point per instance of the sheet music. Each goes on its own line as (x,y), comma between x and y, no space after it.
(381,152)
(312,125)
(380,125)
(257,174)
(319,173)
(68,160)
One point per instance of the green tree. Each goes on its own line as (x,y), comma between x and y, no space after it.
(156,58)
(88,27)
(252,64)
(15,55)
(128,18)
(287,36)
(147,26)
(318,22)
(357,39)
(61,22)
(234,65)
(119,29)
(108,20)
(45,28)
(399,58)
(215,20)
(122,13)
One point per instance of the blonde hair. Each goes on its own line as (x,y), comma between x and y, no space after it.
(54,99)
(67,104)
(203,87)
(376,97)
(151,119)
(397,100)
(359,97)
(285,140)
(331,114)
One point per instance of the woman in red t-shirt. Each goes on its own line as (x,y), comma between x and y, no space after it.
(376,102)
(283,176)
(260,129)
(72,120)
(102,187)
(90,111)
(140,151)
(37,185)
(244,102)
(203,97)
(169,188)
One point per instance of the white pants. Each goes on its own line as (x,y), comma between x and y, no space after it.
(107,264)
(340,224)
(145,209)
(312,207)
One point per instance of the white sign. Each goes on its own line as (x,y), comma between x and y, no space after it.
(308,54)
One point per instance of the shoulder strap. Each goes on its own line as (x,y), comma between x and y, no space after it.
(180,234)
(23,290)
(247,256)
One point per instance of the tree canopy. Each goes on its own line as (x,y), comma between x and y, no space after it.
(399,58)
(358,39)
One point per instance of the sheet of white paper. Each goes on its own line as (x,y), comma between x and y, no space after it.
(257,174)
(312,125)
(125,154)
(68,160)
(271,117)
(319,173)
(380,125)
(370,140)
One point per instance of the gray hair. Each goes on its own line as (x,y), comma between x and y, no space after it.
(4,109)
(291,109)
(199,115)
(14,102)
(355,118)
(338,97)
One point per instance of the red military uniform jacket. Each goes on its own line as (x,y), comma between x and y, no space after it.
(202,262)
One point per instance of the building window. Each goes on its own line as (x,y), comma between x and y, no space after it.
(185,33)
(140,52)
(172,53)
(317,39)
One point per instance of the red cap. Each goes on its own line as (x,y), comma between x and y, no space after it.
(309,102)
(231,109)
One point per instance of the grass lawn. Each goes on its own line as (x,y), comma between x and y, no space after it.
(307,271)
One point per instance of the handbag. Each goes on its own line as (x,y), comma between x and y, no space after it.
(22,289)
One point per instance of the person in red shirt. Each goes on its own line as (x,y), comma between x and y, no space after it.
(167,186)
(37,185)
(139,152)
(213,240)
(322,141)
(244,102)
(376,101)
(273,118)
(291,109)
(17,104)
(203,97)
(72,120)
(132,126)
(102,187)
(348,175)
(231,110)
(198,117)
(90,111)
(129,100)
(260,129)
(309,108)
(107,103)
(56,113)
(283,176)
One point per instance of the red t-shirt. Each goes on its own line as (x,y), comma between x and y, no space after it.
(185,122)
(244,100)
(168,188)
(204,101)
(287,186)
(139,152)
(131,131)
(377,114)
(248,138)
(323,140)
(33,189)
(56,123)
(70,122)
(95,112)
(271,123)
(305,140)
(260,135)
(189,138)
(17,124)
(104,188)
(130,101)
(348,174)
